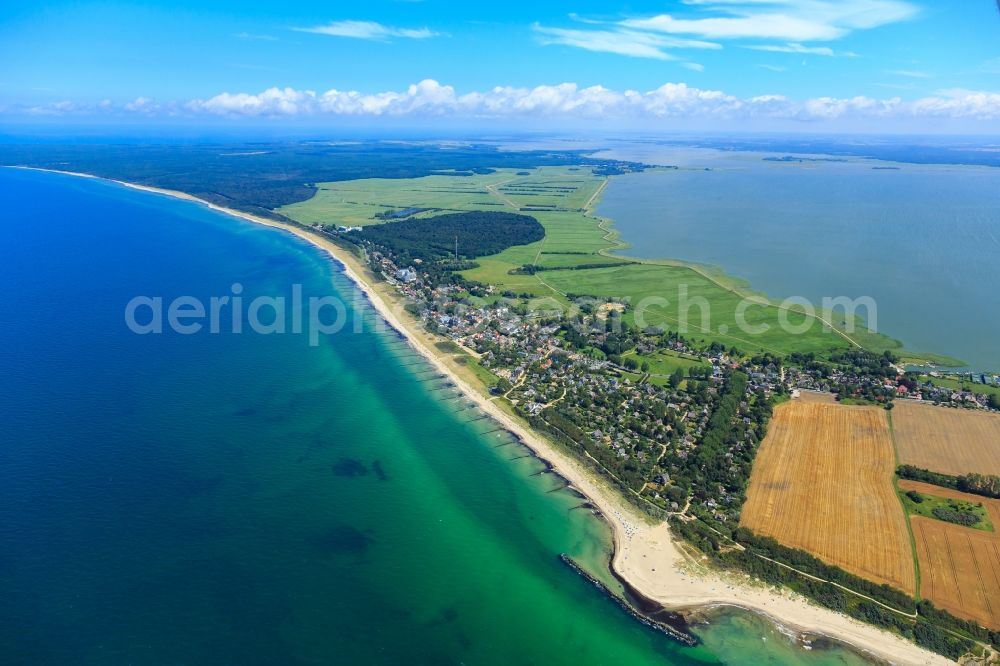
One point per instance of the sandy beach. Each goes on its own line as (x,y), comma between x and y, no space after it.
(645,554)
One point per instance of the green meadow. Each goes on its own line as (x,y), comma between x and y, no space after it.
(922,504)
(576,258)
(664,363)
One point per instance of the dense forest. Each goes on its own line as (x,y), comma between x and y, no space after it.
(477,233)
(258,177)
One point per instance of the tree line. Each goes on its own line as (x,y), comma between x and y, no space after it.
(987,485)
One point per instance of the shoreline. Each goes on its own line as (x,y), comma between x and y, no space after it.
(645,556)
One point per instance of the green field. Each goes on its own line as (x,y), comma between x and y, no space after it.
(961,385)
(560,198)
(664,363)
(357,202)
(930,502)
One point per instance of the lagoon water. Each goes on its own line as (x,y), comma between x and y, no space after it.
(922,240)
(251,499)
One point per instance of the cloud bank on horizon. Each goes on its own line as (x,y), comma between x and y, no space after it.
(431,99)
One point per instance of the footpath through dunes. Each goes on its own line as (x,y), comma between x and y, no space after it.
(822,482)
(959,566)
(950,441)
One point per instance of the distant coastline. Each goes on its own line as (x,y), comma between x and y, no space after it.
(645,555)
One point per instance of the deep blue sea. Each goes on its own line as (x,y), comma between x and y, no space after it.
(251,499)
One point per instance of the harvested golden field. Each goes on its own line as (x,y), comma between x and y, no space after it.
(950,441)
(959,566)
(822,482)
(817,396)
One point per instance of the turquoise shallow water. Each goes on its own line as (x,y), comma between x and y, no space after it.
(922,240)
(252,499)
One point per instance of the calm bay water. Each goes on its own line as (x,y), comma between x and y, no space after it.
(250,499)
(923,241)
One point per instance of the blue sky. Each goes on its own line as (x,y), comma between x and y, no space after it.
(922,63)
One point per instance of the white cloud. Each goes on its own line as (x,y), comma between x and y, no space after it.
(908,73)
(767,26)
(707,22)
(694,67)
(567,100)
(271,102)
(622,42)
(604,41)
(141,105)
(960,103)
(794,48)
(368,30)
(791,20)
(774,68)
(59,108)
(563,103)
